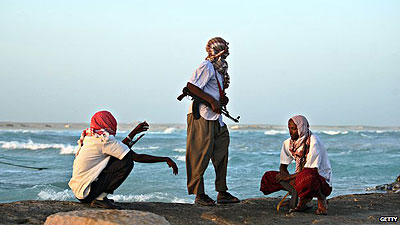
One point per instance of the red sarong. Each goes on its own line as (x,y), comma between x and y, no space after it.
(269,183)
(309,182)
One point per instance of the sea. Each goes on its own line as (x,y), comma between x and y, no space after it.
(37,164)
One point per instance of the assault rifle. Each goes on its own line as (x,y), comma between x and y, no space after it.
(197,100)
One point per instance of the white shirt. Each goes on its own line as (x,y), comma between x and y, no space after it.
(317,157)
(204,78)
(92,159)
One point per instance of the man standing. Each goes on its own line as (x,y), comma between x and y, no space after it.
(207,134)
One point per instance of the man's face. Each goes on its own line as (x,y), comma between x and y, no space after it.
(294,134)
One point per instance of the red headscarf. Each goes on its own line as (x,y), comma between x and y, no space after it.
(102,123)
(104,120)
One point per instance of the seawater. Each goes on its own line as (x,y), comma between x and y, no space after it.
(359,158)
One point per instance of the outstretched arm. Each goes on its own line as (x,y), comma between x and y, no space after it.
(143,158)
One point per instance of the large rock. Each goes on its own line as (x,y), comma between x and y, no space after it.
(106,217)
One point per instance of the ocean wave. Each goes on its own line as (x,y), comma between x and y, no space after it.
(169,130)
(50,194)
(275,132)
(63,132)
(22,131)
(334,132)
(156,196)
(179,150)
(30,145)
(180,158)
(146,148)
(386,131)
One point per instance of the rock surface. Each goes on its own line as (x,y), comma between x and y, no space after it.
(105,217)
(348,209)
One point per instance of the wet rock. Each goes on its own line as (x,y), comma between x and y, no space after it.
(390,188)
(105,217)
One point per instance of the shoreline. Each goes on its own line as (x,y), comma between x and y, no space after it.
(346,209)
(164,126)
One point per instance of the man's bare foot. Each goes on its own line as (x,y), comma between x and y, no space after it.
(302,206)
(322,207)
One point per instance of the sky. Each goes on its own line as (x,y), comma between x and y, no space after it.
(336,62)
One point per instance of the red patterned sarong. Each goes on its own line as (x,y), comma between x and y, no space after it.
(269,183)
(309,182)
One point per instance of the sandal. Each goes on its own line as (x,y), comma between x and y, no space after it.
(205,200)
(105,203)
(226,198)
(110,199)
(301,209)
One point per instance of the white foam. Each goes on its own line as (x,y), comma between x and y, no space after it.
(146,148)
(180,158)
(131,198)
(334,132)
(274,132)
(69,150)
(169,130)
(179,150)
(156,196)
(30,145)
(180,200)
(50,194)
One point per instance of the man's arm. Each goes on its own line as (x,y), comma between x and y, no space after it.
(215,105)
(143,158)
(284,174)
(141,127)
(283,169)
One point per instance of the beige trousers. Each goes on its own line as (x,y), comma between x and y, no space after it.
(206,140)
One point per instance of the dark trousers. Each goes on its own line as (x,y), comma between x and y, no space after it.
(113,175)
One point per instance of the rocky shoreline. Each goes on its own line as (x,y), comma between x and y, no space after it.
(347,209)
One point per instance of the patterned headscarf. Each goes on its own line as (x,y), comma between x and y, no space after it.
(102,124)
(216,48)
(300,147)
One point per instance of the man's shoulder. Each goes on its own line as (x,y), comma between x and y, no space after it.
(286,143)
(206,65)
(314,139)
(98,139)
(112,139)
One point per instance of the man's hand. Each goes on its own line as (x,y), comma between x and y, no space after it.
(141,127)
(216,107)
(173,165)
(282,177)
(224,100)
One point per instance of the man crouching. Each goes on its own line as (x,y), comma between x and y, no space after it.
(313,169)
(102,163)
